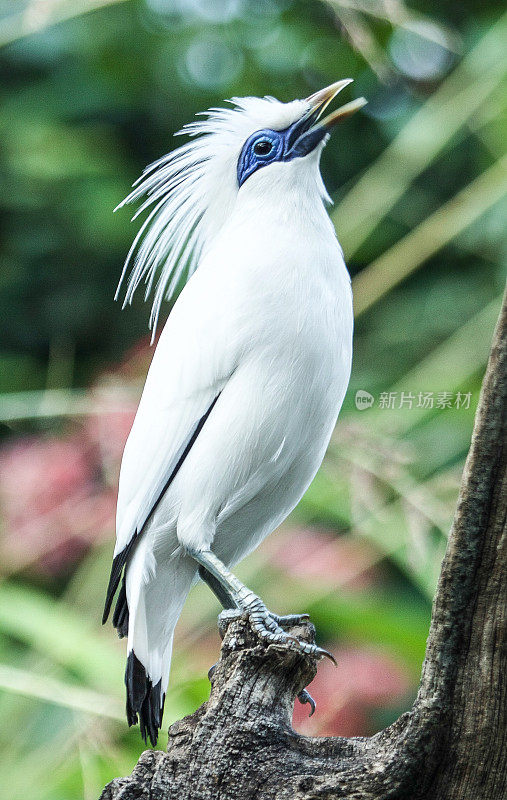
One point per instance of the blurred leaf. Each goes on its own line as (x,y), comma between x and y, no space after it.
(422,139)
(61,634)
(425,240)
(41,687)
(28,18)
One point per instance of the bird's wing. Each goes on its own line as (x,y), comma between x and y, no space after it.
(192,363)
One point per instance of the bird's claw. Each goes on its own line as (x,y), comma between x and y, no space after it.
(304,697)
(289,619)
(325,653)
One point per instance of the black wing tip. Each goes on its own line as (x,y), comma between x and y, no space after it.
(119,561)
(121,612)
(145,701)
(114,580)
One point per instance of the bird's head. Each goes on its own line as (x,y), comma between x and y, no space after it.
(253,147)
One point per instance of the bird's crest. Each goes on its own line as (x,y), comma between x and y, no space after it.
(191,192)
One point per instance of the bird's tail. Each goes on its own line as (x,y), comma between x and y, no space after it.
(154,598)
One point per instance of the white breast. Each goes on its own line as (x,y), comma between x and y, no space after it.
(284,307)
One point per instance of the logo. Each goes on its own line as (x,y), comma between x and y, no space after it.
(363,400)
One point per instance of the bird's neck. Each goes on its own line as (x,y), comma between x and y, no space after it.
(286,238)
(284,208)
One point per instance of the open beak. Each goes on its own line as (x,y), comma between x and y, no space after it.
(320,101)
(306,134)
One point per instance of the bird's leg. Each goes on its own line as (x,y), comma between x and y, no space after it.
(261,620)
(225,597)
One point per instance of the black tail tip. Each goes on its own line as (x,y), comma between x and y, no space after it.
(145,701)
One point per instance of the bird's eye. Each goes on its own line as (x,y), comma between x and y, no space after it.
(263,147)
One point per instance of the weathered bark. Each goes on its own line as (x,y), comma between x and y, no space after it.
(452,744)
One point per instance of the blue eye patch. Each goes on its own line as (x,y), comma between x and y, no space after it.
(267,146)
(262,147)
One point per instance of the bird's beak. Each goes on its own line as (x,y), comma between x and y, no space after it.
(320,101)
(306,133)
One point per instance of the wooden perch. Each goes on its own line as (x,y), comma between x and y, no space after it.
(452,744)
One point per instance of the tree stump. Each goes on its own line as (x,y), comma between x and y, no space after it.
(451,745)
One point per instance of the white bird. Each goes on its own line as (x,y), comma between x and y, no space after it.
(248,376)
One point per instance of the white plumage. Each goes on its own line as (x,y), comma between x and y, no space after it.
(249,373)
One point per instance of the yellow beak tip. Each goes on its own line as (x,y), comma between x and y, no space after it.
(324,96)
(343,112)
(321,99)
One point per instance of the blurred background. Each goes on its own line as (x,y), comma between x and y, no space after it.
(91,91)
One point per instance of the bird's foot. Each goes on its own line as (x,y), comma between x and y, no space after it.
(270,626)
(235,596)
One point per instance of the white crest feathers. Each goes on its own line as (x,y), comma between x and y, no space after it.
(191,191)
